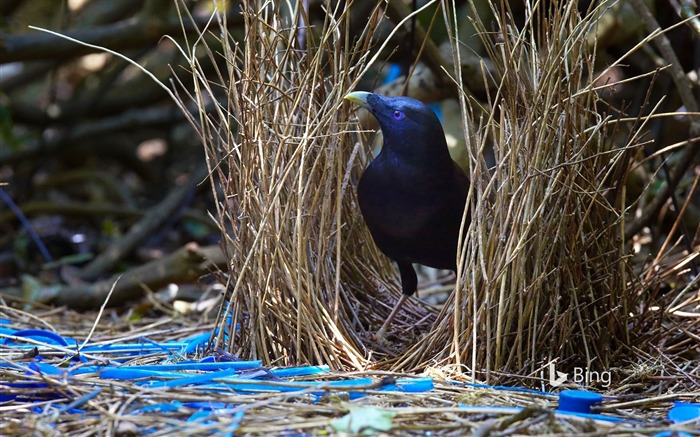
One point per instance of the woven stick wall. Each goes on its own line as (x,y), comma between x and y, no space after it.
(543,274)
(304,276)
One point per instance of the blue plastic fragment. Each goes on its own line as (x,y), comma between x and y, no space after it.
(33,368)
(578,401)
(410,385)
(133,347)
(299,371)
(189,365)
(208,417)
(189,379)
(126,373)
(73,406)
(81,370)
(7,331)
(571,403)
(201,416)
(673,434)
(41,335)
(43,368)
(196,342)
(256,386)
(226,372)
(684,412)
(211,359)
(237,418)
(161,407)
(208,406)
(393,72)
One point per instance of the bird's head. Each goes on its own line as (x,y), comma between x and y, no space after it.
(408,125)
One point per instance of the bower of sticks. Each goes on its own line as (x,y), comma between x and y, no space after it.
(567,258)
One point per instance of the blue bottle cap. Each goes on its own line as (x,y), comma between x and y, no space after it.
(578,401)
(684,412)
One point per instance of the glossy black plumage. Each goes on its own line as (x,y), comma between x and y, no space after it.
(412,195)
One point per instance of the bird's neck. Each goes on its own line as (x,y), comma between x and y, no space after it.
(432,154)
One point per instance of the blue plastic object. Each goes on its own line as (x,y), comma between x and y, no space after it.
(684,412)
(578,401)
(673,434)
(40,335)
(177,367)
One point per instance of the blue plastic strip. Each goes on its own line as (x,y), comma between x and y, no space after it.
(133,347)
(48,337)
(225,365)
(170,370)
(47,369)
(70,408)
(299,371)
(410,385)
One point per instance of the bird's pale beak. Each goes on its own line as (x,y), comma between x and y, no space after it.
(359,98)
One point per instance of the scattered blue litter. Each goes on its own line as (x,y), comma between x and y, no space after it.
(225,373)
(212,373)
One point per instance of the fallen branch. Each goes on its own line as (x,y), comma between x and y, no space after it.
(154,218)
(184,265)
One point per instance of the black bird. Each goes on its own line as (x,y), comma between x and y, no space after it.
(412,195)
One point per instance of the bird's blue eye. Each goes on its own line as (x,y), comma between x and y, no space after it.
(398,115)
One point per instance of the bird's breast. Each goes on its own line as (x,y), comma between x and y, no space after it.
(399,201)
